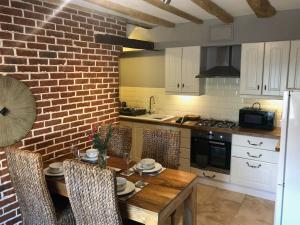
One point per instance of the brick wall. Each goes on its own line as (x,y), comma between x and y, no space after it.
(75,81)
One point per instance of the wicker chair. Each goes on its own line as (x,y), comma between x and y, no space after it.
(163,146)
(92,194)
(26,171)
(120,141)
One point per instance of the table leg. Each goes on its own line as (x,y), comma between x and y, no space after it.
(190,213)
(177,217)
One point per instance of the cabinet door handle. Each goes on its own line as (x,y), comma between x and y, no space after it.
(254,156)
(265,87)
(183,85)
(257,87)
(210,177)
(178,85)
(252,166)
(254,144)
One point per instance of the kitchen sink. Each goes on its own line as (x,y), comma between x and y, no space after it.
(151,117)
(159,117)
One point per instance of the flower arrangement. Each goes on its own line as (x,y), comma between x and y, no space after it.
(100,143)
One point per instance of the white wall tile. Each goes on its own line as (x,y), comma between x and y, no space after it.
(222,100)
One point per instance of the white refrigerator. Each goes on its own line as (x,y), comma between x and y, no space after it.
(287,209)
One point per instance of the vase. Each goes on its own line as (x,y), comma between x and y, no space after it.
(102,158)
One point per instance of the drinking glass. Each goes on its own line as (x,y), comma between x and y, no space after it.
(127,159)
(74,149)
(141,182)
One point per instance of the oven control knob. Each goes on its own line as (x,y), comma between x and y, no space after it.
(221,136)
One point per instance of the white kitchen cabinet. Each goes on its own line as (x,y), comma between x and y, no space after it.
(173,69)
(254,174)
(252,68)
(264,68)
(294,67)
(182,65)
(254,162)
(275,67)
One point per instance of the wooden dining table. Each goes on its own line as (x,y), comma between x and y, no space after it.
(169,196)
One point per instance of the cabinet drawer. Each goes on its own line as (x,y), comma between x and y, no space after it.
(253,174)
(254,142)
(254,154)
(211,175)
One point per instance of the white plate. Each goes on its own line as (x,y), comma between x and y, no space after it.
(48,173)
(156,168)
(130,187)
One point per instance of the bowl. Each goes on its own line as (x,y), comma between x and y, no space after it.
(56,167)
(121,184)
(92,153)
(147,163)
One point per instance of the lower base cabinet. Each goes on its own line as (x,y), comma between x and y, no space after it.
(137,141)
(254,174)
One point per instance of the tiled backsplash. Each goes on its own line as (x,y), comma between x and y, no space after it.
(222,100)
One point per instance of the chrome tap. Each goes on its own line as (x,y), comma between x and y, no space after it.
(152,101)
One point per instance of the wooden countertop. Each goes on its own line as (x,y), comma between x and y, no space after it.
(274,134)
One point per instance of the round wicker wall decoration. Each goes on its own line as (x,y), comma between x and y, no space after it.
(17,110)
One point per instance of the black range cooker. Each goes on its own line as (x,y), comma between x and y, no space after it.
(210,149)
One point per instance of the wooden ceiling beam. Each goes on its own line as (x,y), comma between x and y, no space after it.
(131,12)
(215,10)
(174,10)
(78,7)
(262,8)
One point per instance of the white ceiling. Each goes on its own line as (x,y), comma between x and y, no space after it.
(234,7)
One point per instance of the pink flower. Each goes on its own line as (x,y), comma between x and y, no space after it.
(95,129)
(90,137)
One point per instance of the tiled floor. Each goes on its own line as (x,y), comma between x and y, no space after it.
(221,207)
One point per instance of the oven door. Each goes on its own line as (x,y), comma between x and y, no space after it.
(219,154)
(199,152)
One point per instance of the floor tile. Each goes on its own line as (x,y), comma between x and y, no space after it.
(222,207)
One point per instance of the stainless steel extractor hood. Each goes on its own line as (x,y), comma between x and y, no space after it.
(218,62)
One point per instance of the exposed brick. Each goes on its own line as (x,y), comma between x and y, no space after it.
(48,54)
(27,69)
(79,18)
(12,27)
(37,46)
(7,68)
(5,18)
(21,5)
(5,35)
(43,10)
(56,48)
(14,60)
(24,21)
(33,15)
(24,37)
(74,86)
(10,11)
(43,39)
(37,61)
(54,33)
(24,52)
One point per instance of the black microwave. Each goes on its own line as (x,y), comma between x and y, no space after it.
(251,117)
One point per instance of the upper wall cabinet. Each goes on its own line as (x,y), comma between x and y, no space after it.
(294,69)
(252,68)
(276,67)
(182,65)
(264,68)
